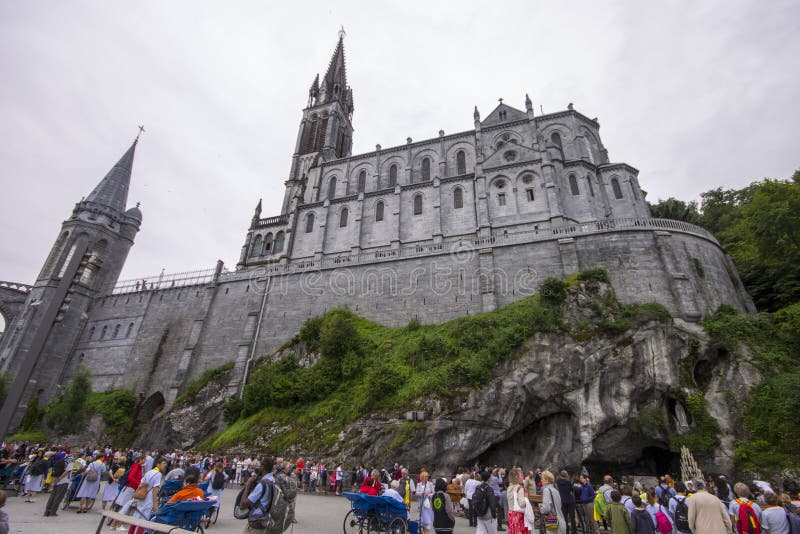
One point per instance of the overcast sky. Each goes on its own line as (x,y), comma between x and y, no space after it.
(694,94)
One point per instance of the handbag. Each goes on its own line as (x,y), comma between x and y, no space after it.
(141,492)
(550,520)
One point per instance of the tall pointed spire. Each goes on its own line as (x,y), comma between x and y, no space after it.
(112,191)
(335,80)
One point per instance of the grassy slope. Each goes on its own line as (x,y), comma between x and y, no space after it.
(368,368)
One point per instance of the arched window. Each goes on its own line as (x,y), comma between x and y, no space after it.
(458,198)
(256,250)
(362,181)
(633,189)
(267,245)
(589,183)
(461,162)
(426,169)
(278,245)
(616,188)
(309,223)
(343,218)
(379,211)
(393,176)
(103,332)
(129,330)
(573,185)
(418,205)
(116,331)
(332,189)
(556,139)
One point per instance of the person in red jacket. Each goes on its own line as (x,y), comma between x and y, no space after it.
(134,479)
(372,485)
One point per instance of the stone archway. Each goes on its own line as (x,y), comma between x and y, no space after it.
(149,408)
(12,300)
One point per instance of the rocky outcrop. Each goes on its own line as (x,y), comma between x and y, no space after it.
(187,424)
(609,402)
(602,393)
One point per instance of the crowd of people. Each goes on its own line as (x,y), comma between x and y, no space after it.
(492,499)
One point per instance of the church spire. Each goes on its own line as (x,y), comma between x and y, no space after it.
(337,73)
(112,191)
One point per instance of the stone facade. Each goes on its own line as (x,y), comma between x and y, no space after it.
(432,230)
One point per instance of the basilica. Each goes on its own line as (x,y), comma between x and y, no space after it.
(430,230)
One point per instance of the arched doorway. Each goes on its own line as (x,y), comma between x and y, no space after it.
(149,408)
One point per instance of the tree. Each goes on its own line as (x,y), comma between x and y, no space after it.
(4,381)
(677,210)
(67,413)
(759,227)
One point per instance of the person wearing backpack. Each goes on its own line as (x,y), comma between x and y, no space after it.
(268,509)
(679,509)
(641,520)
(774,518)
(659,513)
(707,514)
(664,493)
(617,516)
(91,483)
(485,506)
(216,479)
(745,514)
(444,517)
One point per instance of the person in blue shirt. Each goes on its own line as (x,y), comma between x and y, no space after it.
(587,502)
(260,496)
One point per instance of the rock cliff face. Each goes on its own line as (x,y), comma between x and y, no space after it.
(608,399)
(564,403)
(185,425)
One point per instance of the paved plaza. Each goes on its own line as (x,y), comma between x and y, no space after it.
(315,514)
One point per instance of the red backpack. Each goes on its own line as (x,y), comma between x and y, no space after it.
(662,522)
(747,521)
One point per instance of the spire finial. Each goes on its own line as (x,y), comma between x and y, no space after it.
(500,100)
(138,204)
(528,103)
(342,33)
(475,114)
(141,131)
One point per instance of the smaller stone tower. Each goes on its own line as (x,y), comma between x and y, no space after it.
(85,261)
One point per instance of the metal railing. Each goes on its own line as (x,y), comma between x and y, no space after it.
(161,281)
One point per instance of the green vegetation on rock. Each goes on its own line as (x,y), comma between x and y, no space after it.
(705,429)
(769,415)
(66,414)
(117,407)
(194,386)
(368,368)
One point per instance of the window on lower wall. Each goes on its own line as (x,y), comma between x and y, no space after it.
(530,195)
(501,199)
(458,198)
(418,205)
(343,218)
(379,211)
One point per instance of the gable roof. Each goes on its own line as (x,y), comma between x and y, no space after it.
(512,114)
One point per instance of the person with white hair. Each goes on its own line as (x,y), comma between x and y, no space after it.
(392,491)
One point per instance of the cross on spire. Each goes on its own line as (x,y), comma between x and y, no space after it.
(141,131)
(342,33)
(500,100)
